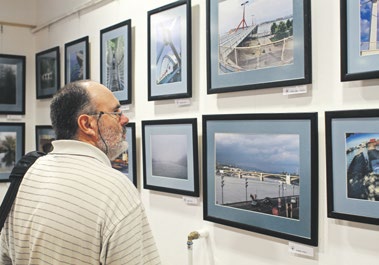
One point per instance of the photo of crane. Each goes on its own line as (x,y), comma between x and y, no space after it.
(255,35)
(369,27)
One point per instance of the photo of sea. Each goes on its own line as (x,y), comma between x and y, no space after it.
(169,156)
(258,172)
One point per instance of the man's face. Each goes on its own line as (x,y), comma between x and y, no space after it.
(111,123)
(112,140)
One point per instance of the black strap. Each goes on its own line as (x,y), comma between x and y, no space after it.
(15,178)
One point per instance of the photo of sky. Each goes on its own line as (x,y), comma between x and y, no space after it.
(365,9)
(355,139)
(259,11)
(266,152)
(169,156)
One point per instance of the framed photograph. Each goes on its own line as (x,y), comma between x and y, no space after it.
(12,84)
(170,156)
(76,62)
(116,60)
(48,79)
(127,161)
(359,40)
(260,173)
(44,136)
(352,152)
(169,51)
(258,44)
(12,147)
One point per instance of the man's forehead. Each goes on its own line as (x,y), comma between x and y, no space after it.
(103,97)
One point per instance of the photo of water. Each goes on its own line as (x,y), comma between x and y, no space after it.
(169,156)
(258,172)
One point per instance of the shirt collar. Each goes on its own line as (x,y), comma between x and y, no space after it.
(75,147)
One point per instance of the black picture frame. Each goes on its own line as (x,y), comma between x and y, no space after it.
(170,51)
(12,147)
(352,182)
(359,55)
(170,162)
(116,60)
(48,71)
(77,60)
(127,161)
(12,84)
(262,55)
(260,173)
(44,136)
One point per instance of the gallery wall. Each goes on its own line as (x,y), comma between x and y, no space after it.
(340,242)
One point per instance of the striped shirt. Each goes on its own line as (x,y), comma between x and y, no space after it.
(74,208)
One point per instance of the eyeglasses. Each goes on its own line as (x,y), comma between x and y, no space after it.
(117,114)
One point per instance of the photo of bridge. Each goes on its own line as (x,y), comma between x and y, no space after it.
(262,42)
(258,172)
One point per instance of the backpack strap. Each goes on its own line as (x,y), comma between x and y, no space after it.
(15,178)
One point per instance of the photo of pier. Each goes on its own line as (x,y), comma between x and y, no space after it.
(362,166)
(255,34)
(258,172)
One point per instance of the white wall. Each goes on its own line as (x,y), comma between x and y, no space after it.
(340,242)
(20,41)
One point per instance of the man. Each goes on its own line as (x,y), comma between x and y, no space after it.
(72,207)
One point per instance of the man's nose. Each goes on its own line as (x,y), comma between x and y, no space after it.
(124,120)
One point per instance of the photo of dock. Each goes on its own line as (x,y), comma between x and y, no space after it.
(255,34)
(258,172)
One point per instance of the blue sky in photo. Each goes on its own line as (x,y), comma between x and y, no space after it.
(357,138)
(365,8)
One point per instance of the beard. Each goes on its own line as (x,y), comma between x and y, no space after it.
(112,143)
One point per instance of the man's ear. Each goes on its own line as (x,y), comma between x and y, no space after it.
(87,125)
